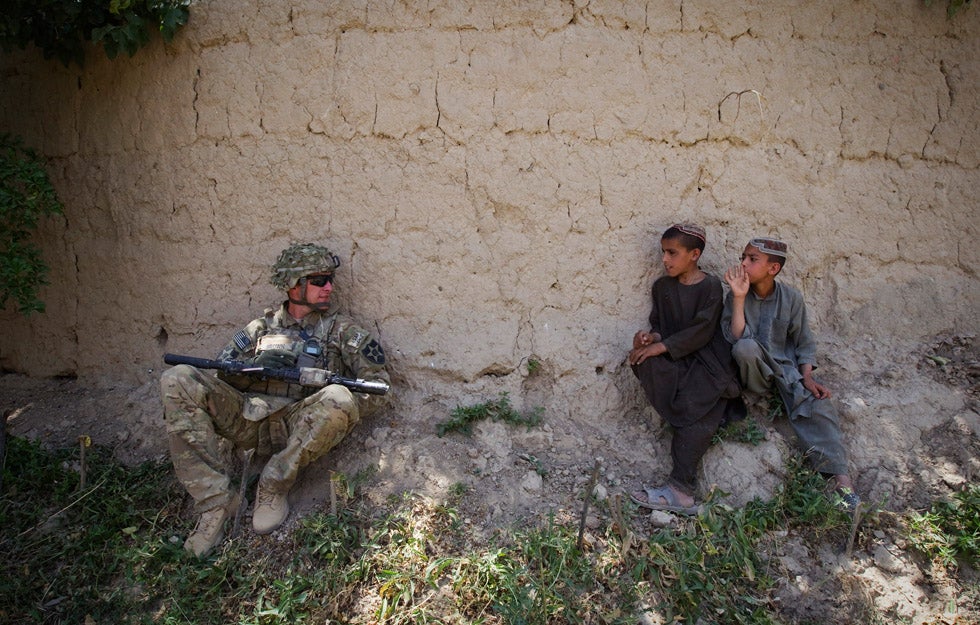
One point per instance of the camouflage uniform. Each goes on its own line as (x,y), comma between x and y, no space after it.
(296,425)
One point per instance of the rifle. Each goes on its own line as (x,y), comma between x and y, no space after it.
(304,376)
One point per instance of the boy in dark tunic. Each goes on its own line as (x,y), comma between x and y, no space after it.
(685,365)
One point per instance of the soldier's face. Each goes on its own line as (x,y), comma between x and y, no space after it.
(315,290)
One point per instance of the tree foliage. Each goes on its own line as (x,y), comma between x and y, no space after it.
(61,28)
(26,194)
(953,6)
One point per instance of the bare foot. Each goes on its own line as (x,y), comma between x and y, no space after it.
(842,482)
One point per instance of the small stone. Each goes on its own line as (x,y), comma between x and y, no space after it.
(885,561)
(532,482)
(659,518)
(600,492)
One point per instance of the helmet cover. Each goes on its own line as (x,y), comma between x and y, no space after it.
(300,260)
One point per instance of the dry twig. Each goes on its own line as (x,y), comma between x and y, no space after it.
(588,498)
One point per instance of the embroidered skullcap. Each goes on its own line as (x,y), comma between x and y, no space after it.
(770,246)
(692,229)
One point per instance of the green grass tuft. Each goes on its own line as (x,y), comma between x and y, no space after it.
(949,531)
(746,430)
(462,418)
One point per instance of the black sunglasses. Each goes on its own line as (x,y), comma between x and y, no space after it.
(319,280)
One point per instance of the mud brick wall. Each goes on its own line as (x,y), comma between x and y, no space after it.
(495,176)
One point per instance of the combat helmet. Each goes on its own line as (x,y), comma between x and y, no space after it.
(299,260)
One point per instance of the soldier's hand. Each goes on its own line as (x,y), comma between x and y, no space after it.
(275,359)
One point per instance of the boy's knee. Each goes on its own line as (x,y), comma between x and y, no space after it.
(746,350)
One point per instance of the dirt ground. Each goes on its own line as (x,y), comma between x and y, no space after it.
(928,394)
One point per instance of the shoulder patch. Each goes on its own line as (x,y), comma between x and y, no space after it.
(374,352)
(242,341)
(356,339)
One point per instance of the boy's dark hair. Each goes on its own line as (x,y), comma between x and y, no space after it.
(685,237)
(781,260)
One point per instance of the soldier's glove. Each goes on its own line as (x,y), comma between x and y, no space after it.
(275,359)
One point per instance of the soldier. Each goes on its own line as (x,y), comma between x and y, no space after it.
(291,424)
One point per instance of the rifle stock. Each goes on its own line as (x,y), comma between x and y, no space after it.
(304,376)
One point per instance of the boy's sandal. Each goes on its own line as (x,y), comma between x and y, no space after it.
(653,497)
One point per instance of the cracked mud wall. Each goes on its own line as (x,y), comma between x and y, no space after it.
(495,177)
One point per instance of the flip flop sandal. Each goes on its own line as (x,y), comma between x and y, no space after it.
(672,504)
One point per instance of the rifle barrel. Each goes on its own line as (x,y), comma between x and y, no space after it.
(373,387)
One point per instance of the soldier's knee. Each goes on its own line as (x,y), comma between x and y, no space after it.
(746,350)
(337,413)
(168,378)
(339,398)
(181,392)
(177,377)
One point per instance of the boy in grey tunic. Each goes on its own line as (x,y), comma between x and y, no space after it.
(766,323)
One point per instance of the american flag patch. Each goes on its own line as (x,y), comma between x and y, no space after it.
(242,340)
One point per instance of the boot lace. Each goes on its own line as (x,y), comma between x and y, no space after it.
(210,521)
(266,497)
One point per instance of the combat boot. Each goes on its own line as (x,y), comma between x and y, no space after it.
(210,528)
(271,508)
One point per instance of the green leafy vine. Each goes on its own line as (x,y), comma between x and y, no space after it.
(26,195)
(953,6)
(62,28)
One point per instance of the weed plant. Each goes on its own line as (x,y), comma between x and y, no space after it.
(462,418)
(533,365)
(745,430)
(66,551)
(711,570)
(26,197)
(949,531)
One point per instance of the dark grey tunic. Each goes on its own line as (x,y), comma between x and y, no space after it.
(688,382)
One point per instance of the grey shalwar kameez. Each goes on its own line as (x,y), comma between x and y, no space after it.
(776,341)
